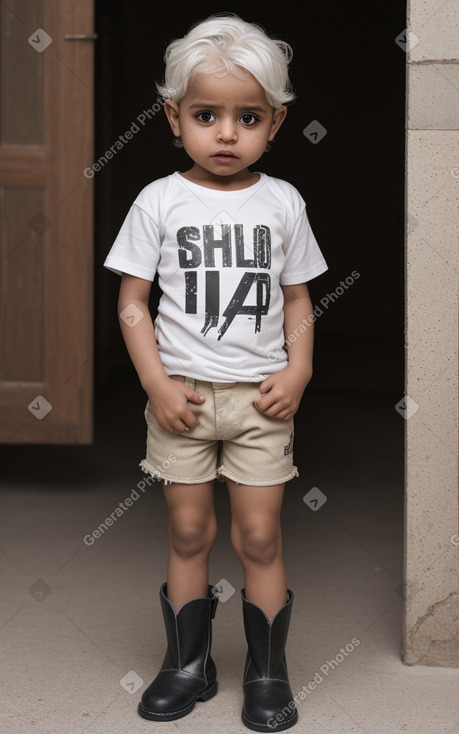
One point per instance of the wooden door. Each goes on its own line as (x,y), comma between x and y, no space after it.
(46,210)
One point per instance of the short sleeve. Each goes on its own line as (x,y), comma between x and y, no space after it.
(137,246)
(303,257)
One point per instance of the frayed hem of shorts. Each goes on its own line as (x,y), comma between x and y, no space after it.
(222,472)
(169,479)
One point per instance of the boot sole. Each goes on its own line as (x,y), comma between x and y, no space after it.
(265,728)
(206,695)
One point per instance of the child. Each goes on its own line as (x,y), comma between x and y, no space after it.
(228,358)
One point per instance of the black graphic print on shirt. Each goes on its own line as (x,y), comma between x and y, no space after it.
(195,252)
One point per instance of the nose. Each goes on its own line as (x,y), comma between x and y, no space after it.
(227,130)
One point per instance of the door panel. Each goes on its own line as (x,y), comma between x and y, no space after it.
(46,209)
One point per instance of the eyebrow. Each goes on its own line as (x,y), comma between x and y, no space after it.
(206,105)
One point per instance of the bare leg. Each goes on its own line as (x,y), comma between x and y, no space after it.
(257,540)
(192,532)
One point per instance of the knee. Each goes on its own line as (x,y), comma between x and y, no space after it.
(192,536)
(257,543)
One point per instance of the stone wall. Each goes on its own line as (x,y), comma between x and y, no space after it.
(431,624)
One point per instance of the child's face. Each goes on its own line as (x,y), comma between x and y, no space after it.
(224,123)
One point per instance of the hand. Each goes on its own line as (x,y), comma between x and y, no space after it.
(169,404)
(284,390)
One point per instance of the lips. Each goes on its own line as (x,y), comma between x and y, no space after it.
(224,154)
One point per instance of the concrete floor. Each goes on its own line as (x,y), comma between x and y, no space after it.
(75,620)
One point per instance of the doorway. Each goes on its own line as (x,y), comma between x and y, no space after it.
(349,75)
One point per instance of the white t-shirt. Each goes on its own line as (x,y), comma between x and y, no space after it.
(221,257)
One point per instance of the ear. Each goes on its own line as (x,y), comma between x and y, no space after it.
(171,109)
(278,118)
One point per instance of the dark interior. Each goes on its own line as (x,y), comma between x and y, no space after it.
(348,74)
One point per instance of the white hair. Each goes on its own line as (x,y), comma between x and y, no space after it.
(228,42)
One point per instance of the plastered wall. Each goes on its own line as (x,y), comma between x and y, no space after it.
(431,624)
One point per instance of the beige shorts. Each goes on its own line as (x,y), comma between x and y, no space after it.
(232,439)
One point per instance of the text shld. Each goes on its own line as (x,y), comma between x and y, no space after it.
(195,251)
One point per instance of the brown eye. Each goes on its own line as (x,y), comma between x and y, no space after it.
(248,119)
(205,117)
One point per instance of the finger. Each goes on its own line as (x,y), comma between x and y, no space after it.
(264,403)
(178,429)
(265,386)
(186,422)
(265,409)
(276,411)
(189,419)
(195,397)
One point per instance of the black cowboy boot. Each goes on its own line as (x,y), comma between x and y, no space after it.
(268,700)
(188,673)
